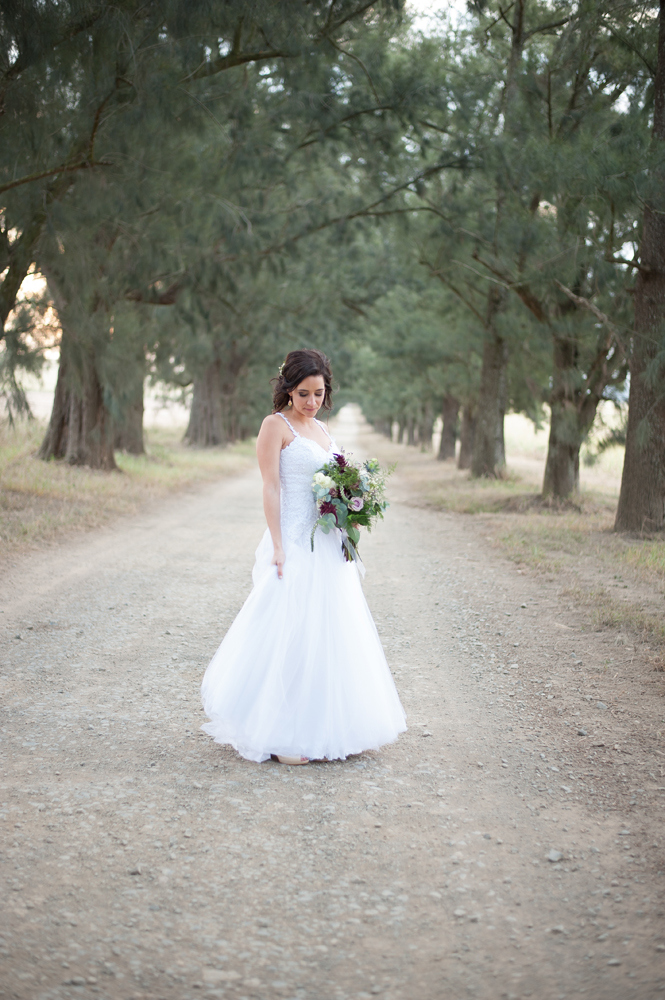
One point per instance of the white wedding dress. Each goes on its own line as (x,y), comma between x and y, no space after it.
(301,671)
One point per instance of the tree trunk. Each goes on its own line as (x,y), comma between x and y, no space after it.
(80,428)
(21,254)
(401,431)
(410,431)
(206,423)
(383,426)
(489,454)
(129,431)
(642,497)
(450,416)
(426,428)
(563,450)
(467,434)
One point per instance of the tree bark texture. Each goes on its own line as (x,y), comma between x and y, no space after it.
(467,434)
(385,427)
(573,405)
(489,453)
(128,434)
(450,417)
(206,424)
(401,431)
(22,252)
(642,497)
(426,428)
(80,429)
(562,469)
(410,431)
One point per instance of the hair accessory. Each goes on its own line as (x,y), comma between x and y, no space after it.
(281,368)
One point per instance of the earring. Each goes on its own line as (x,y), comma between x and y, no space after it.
(290,402)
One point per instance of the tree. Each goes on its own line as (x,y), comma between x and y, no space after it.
(642,497)
(112,93)
(559,175)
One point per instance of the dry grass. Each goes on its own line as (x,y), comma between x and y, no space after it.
(41,500)
(625,616)
(619,580)
(464,495)
(549,539)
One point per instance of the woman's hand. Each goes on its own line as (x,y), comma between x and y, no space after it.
(278,560)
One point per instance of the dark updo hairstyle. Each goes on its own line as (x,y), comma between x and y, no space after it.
(298,366)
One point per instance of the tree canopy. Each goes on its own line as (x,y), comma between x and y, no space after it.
(458,219)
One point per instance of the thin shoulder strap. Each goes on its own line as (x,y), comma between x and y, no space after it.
(323,426)
(288,422)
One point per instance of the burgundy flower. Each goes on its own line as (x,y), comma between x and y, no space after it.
(327,508)
(341,461)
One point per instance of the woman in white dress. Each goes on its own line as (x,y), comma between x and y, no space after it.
(301,674)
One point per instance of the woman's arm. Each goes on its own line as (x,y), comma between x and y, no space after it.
(268,449)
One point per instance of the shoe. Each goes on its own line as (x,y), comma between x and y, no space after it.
(292,760)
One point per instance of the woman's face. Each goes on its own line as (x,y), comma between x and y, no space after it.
(308,396)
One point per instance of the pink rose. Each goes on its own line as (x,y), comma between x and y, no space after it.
(355,503)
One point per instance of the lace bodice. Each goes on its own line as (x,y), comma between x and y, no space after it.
(297,464)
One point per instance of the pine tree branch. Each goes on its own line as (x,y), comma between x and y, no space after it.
(630,263)
(70,31)
(502,16)
(360,63)
(354,13)
(521,289)
(630,47)
(215,66)
(602,317)
(354,307)
(330,13)
(496,20)
(21,251)
(546,27)
(436,128)
(64,168)
(437,273)
(370,210)
(154,296)
(97,119)
(71,167)
(168,297)
(598,376)
(342,121)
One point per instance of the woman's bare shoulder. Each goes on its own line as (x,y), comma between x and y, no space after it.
(273,424)
(272,429)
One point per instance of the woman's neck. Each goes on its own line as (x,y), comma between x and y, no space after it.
(299,417)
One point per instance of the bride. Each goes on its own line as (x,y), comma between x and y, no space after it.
(301,674)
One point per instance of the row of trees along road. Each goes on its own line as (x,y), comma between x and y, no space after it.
(467,223)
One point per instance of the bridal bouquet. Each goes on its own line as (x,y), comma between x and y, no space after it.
(349,497)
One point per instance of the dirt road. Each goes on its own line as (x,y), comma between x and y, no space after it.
(490,853)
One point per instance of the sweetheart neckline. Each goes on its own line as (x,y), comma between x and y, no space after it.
(301,437)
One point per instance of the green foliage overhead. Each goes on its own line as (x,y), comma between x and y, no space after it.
(212,184)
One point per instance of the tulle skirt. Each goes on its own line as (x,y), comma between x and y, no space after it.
(301,671)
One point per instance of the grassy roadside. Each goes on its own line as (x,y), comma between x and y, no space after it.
(40,501)
(619,580)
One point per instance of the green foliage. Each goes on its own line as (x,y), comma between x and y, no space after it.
(208,186)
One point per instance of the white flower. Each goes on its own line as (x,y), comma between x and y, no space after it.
(321,480)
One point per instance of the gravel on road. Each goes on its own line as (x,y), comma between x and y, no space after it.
(475,857)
